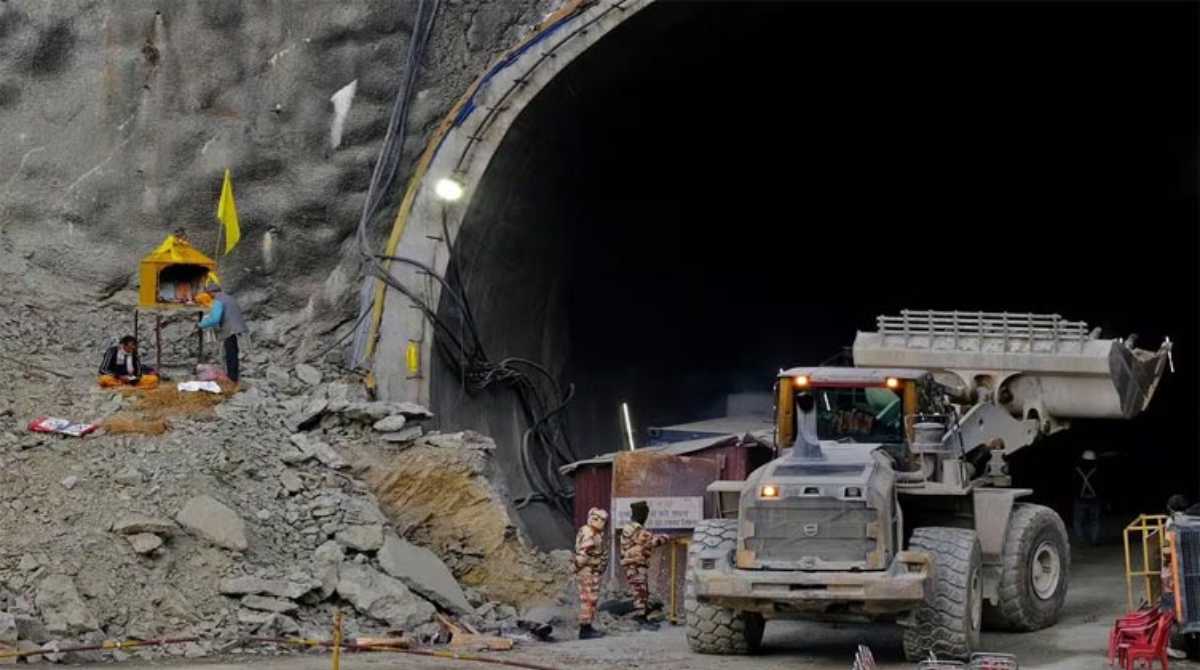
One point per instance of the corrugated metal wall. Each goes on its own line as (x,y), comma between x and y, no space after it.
(593,483)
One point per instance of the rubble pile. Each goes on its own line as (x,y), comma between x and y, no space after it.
(258,518)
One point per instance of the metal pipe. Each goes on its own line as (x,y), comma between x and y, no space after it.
(108,645)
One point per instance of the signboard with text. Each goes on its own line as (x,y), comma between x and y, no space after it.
(672,486)
(677,513)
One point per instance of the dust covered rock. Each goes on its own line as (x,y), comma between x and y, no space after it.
(206,517)
(381,597)
(422,571)
(62,608)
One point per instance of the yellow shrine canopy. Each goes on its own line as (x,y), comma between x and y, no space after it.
(173,274)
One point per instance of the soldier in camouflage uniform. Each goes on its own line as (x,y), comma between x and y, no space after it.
(636,545)
(591,562)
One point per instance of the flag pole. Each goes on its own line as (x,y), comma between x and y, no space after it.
(220,226)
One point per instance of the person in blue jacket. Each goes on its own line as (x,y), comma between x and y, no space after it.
(225,318)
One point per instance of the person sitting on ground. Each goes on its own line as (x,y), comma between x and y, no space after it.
(123,367)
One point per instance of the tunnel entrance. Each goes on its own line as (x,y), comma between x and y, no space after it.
(718,190)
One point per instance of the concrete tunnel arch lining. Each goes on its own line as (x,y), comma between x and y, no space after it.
(475,130)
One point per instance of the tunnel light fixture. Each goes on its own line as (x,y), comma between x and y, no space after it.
(628,424)
(448,189)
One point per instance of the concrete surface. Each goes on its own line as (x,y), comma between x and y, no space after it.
(1078,642)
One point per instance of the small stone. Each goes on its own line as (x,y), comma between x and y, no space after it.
(287,589)
(328,559)
(390,424)
(25,646)
(278,376)
(8,629)
(130,476)
(308,416)
(195,650)
(253,618)
(264,604)
(145,543)
(28,564)
(409,434)
(291,482)
(312,447)
(29,628)
(280,625)
(70,482)
(308,374)
(361,538)
(131,524)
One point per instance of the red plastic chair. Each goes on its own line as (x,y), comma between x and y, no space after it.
(1151,649)
(1129,627)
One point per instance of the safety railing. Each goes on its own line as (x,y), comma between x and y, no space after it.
(1006,332)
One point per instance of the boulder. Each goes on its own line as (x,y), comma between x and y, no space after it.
(328,560)
(62,608)
(423,572)
(209,519)
(381,597)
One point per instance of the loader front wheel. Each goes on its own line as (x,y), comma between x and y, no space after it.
(947,624)
(712,629)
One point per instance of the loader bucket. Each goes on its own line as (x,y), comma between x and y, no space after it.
(1034,365)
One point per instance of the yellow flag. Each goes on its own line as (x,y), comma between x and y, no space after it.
(227,214)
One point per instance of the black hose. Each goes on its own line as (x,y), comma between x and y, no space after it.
(463,351)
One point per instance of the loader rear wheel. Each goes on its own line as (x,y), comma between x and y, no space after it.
(947,624)
(1035,567)
(712,629)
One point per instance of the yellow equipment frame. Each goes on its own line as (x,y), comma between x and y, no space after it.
(676,543)
(1152,531)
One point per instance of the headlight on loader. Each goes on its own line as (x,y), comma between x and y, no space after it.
(769,491)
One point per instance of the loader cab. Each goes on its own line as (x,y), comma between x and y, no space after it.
(852,405)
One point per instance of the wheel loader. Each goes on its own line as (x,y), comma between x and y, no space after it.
(891,498)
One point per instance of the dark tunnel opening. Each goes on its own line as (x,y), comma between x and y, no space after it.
(716,191)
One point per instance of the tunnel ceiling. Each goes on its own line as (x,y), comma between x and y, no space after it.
(718,190)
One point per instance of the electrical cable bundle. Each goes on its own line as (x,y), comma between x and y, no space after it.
(545,446)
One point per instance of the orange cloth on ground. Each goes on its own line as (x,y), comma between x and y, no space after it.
(145,383)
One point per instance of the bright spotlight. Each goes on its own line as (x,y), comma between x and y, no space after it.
(448,189)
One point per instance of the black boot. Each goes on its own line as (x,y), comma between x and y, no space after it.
(645,624)
(586,632)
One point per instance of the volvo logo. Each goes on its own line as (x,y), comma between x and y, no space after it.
(811,529)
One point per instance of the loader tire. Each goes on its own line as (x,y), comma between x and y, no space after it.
(947,624)
(712,629)
(1035,569)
